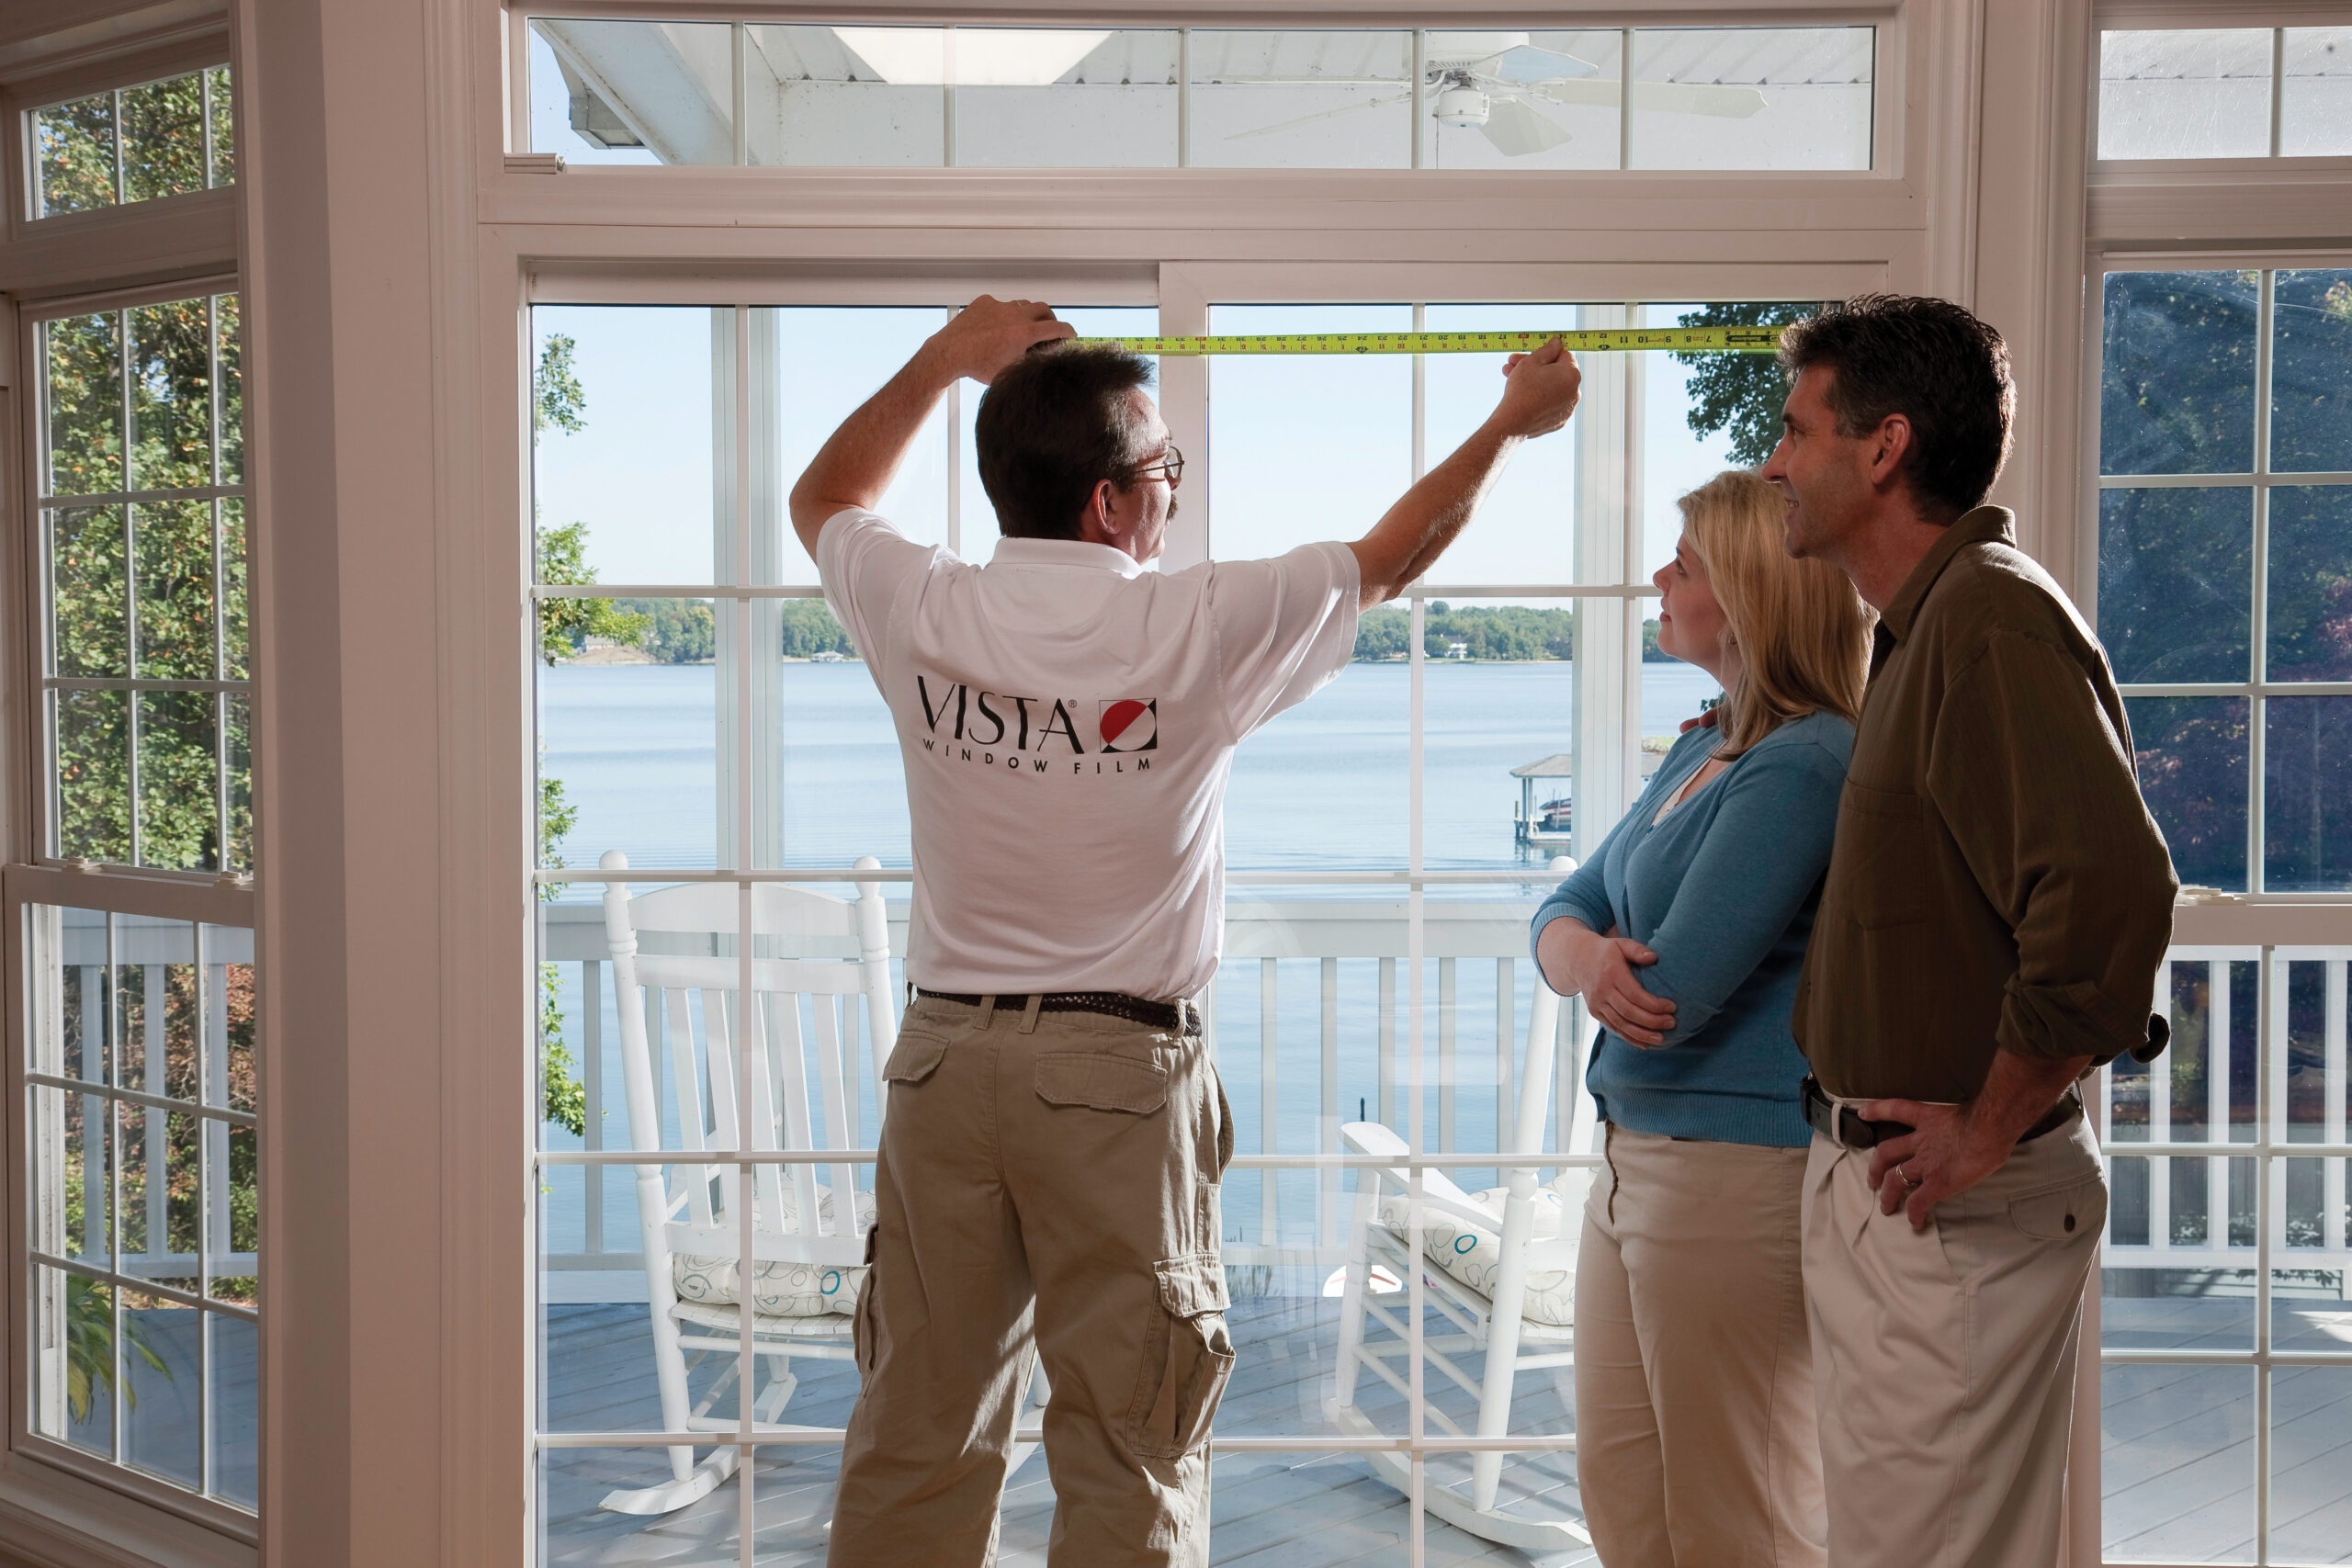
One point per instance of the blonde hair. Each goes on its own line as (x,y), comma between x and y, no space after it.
(1803,633)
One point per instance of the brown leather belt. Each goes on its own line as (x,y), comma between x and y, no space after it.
(1175,1018)
(1842,1124)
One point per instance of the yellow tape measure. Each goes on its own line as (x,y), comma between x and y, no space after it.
(1607,339)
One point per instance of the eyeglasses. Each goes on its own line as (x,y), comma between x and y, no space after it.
(1171,466)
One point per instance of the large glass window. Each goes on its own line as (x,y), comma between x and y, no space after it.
(632,92)
(163,138)
(701,712)
(2224,530)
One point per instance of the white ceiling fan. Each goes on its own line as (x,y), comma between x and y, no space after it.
(1470,84)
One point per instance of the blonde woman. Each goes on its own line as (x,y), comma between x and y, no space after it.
(1685,933)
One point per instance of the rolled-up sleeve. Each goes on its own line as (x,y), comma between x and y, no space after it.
(2033,778)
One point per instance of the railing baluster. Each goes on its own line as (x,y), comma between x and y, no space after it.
(2333,1085)
(592,1083)
(2217,1046)
(2160,1073)
(1388,1042)
(1506,1015)
(1447,1142)
(1268,1034)
(1328,1219)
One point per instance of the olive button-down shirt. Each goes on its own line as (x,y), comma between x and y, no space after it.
(1996,882)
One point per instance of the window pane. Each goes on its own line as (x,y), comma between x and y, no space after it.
(2175,580)
(2310,1487)
(851,96)
(1539,100)
(74,1367)
(1031,96)
(2310,372)
(219,106)
(843,779)
(633,92)
(83,379)
(2178,394)
(179,811)
(622,467)
(235,1392)
(229,1017)
(1302,100)
(171,395)
(75,145)
(93,772)
(1525,529)
(233,625)
(2176,1463)
(174,545)
(2315,103)
(238,755)
(2307,811)
(629,739)
(2310,583)
(163,138)
(827,362)
(2195,93)
(228,372)
(88,635)
(1752,98)
(2191,756)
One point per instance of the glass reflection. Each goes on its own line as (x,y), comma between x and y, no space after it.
(2175,578)
(2186,93)
(1301,100)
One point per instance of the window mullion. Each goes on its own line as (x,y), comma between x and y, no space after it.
(2277,108)
(2258,710)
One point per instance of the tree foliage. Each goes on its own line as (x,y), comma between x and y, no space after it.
(1739,392)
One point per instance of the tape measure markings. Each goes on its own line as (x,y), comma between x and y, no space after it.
(1606,340)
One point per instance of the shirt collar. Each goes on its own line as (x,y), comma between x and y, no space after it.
(1064,552)
(1985,525)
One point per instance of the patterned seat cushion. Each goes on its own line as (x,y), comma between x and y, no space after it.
(1470,1253)
(780,1288)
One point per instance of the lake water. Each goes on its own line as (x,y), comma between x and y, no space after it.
(1323,786)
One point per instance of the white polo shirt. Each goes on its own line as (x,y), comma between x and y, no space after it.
(1068,721)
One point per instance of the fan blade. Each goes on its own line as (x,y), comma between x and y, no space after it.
(1320,114)
(1517,131)
(1669,97)
(1527,64)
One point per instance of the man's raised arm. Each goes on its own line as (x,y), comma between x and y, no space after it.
(854,468)
(1539,394)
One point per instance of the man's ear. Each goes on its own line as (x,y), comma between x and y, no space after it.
(1891,441)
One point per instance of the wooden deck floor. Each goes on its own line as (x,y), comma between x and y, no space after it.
(2179,1459)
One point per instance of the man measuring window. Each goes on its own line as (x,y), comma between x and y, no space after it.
(1056,1132)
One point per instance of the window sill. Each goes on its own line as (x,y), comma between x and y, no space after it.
(52,1519)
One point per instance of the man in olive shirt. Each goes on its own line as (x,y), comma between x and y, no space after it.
(1996,908)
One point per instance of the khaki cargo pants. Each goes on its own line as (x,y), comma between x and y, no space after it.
(1049,1177)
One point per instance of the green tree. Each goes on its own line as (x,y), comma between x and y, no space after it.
(1740,393)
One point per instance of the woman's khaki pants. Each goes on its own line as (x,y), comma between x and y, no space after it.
(1069,1160)
(1696,1443)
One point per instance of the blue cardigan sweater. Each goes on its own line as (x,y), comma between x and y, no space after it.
(1723,891)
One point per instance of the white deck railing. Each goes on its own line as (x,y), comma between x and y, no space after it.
(1326,981)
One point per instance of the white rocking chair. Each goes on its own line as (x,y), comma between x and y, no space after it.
(1495,1324)
(808,1236)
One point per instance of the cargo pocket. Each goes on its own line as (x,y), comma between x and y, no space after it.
(1224,1123)
(1187,1358)
(914,1057)
(1104,1082)
(860,1321)
(2062,1214)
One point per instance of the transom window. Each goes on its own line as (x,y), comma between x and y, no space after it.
(2225,92)
(632,92)
(158,139)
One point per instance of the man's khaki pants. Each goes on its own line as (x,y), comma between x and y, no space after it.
(1696,1443)
(1945,1358)
(1070,1158)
